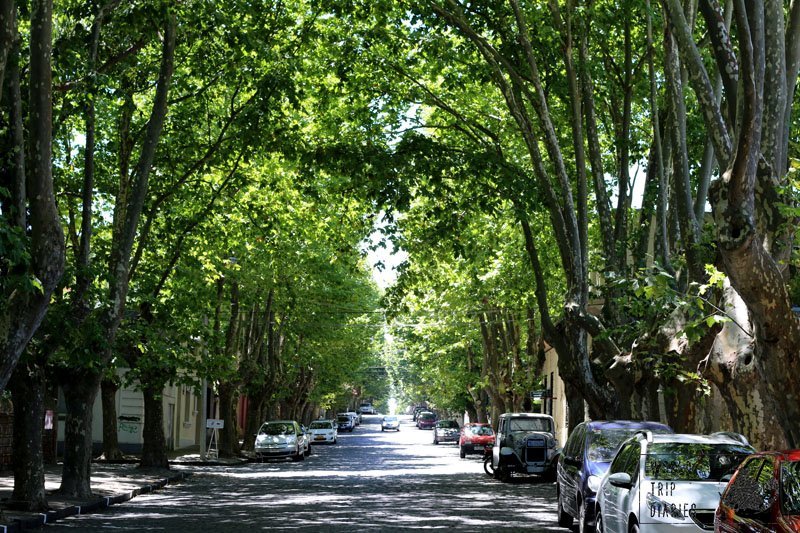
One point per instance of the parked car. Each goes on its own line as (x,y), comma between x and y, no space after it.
(345,422)
(667,482)
(282,438)
(474,438)
(445,431)
(584,460)
(417,410)
(390,422)
(426,420)
(763,495)
(323,432)
(525,444)
(356,417)
(366,409)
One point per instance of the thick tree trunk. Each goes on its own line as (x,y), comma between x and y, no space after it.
(80,392)
(27,393)
(108,395)
(154,448)
(253,421)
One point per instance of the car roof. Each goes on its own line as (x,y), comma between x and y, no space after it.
(279,422)
(625,424)
(525,415)
(690,438)
(783,455)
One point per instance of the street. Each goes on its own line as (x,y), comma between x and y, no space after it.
(368,480)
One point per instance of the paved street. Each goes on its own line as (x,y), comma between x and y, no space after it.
(369,480)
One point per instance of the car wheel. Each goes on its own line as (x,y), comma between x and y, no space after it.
(382,430)
(435,440)
(462,452)
(299,456)
(564,518)
(634,528)
(600,528)
(308,451)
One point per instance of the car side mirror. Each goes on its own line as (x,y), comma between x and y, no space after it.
(620,479)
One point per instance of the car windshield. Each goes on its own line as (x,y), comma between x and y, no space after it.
(482,431)
(790,487)
(448,424)
(276,429)
(604,442)
(343,418)
(321,425)
(530,424)
(427,416)
(690,461)
(390,419)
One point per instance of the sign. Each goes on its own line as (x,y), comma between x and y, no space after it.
(215,423)
(48,419)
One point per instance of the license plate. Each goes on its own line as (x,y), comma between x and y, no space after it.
(319,437)
(478,448)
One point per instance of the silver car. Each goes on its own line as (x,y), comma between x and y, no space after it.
(280,439)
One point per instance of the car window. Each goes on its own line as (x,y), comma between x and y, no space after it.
(790,487)
(447,424)
(321,425)
(753,490)
(626,457)
(276,429)
(604,443)
(481,430)
(691,461)
(530,424)
(573,445)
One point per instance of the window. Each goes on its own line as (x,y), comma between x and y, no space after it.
(627,457)
(753,490)
(689,461)
(574,446)
(790,487)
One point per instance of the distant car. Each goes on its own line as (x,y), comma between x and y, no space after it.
(390,422)
(584,460)
(356,417)
(525,444)
(366,409)
(323,431)
(474,438)
(667,482)
(445,431)
(417,410)
(426,420)
(763,495)
(345,422)
(281,439)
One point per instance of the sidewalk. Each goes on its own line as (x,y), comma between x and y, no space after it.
(112,482)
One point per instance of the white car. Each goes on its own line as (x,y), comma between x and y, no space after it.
(366,409)
(281,439)
(355,416)
(390,422)
(659,483)
(323,432)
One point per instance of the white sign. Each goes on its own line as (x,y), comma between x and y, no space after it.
(215,423)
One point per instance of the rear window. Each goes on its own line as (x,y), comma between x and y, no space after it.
(604,443)
(427,416)
(451,424)
(321,425)
(681,461)
(481,431)
(343,418)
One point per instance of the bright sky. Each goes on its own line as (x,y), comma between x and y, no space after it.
(388,256)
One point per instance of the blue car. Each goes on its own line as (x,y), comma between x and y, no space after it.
(584,460)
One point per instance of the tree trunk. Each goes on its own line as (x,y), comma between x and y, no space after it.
(229,435)
(79,394)
(154,448)
(253,421)
(27,393)
(108,395)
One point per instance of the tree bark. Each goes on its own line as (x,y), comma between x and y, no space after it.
(108,395)
(154,449)
(27,394)
(79,395)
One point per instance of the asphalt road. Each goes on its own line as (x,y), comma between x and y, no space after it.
(369,480)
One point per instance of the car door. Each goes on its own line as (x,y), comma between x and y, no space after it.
(498,442)
(616,500)
(569,470)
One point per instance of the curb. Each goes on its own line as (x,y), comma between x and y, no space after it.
(100,504)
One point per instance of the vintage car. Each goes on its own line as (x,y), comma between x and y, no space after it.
(584,460)
(323,431)
(445,431)
(282,439)
(475,438)
(659,483)
(525,444)
(763,495)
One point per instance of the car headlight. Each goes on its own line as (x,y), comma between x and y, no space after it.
(291,441)
(594,483)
